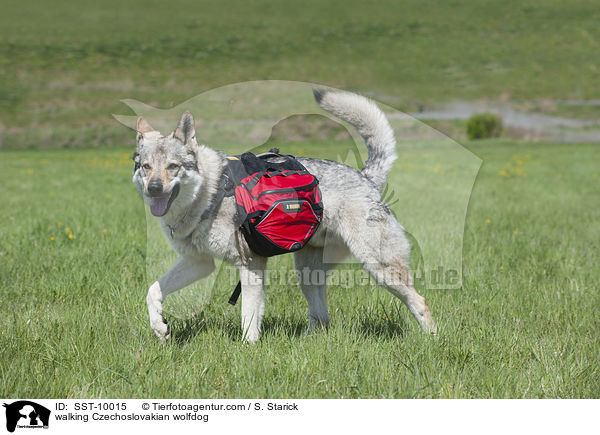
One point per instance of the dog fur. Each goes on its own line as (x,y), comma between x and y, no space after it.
(180,179)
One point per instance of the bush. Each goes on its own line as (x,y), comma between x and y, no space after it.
(483,126)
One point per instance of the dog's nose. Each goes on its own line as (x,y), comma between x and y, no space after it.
(155,187)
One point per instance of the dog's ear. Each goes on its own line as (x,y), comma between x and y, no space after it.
(142,127)
(185,131)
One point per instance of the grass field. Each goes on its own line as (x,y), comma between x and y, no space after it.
(73,240)
(74,323)
(64,69)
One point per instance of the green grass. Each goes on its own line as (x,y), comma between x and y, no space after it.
(74,323)
(69,66)
(73,318)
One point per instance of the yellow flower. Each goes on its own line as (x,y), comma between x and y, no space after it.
(71,235)
(503,173)
(52,238)
(60,224)
(487,221)
(30,171)
(105,230)
(108,195)
(515,232)
(68,229)
(501,267)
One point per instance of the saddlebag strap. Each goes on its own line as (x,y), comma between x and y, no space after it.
(236,293)
(226,188)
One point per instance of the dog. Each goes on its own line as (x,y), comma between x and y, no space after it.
(180,181)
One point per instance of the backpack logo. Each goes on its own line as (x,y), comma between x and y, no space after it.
(292,207)
(26,414)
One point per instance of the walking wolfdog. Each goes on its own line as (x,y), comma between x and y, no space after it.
(181,182)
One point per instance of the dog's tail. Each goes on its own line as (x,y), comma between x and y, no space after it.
(372,125)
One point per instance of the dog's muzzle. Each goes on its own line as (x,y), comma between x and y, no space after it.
(159,205)
(155,188)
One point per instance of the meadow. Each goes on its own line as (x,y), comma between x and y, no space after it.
(64,69)
(525,324)
(76,259)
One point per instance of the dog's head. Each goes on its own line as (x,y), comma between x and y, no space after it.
(166,171)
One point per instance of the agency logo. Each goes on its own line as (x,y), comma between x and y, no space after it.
(26,414)
(428,189)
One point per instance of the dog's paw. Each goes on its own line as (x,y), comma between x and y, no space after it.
(433,330)
(161,329)
(430,328)
(251,337)
(317,324)
(157,322)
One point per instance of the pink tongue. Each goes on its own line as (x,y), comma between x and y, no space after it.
(158,206)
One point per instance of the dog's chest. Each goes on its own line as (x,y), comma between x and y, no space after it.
(219,240)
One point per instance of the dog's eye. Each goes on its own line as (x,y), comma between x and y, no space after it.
(173,166)
(146,166)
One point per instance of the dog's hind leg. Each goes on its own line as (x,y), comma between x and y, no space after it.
(395,276)
(184,272)
(253,298)
(313,281)
(381,247)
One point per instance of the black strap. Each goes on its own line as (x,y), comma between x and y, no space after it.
(236,293)
(254,181)
(226,188)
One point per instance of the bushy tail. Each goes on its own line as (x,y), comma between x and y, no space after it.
(372,125)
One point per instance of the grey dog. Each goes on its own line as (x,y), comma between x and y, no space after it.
(180,181)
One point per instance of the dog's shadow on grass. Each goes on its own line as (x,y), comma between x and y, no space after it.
(183,331)
(369,327)
(381,328)
(285,325)
(186,330)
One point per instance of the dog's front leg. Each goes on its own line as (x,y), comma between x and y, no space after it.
(253,298)
(184,272)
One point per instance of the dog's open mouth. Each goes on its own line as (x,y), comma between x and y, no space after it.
(159,206)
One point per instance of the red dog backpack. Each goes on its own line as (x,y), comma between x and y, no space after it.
(278,202)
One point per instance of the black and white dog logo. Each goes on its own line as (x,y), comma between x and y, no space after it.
(26,414)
